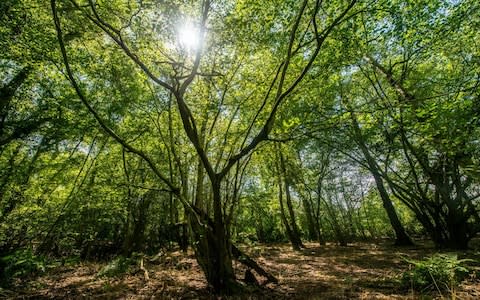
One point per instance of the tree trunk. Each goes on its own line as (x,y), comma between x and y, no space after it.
(213,249)
(318,216)
(458,235)
(295,230)
(337,230)
(288,230)
(291,228)
(311,228)
(401,237)
(6,94)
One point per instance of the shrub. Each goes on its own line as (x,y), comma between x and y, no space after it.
(439,272)
(117,267)
(21,263)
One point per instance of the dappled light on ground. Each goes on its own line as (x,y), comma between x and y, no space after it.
(359,271)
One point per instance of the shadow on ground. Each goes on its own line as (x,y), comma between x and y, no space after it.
(359,271)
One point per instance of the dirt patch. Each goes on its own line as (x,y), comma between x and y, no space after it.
(359,271)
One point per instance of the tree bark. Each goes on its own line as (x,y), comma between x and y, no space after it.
(290,223)
(216,265)
(401,237)
(213,248)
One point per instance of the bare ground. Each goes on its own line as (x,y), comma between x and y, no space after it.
(359,271)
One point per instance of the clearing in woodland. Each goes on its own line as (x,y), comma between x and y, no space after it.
(358,271)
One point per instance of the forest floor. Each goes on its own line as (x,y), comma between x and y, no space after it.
(359,271)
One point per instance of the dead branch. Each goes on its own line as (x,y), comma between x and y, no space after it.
(243,258)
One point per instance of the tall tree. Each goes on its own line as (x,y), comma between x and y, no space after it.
(298,51)
(401,237)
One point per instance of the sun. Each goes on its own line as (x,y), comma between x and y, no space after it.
(189,36)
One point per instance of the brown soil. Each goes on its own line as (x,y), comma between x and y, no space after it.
(359,271)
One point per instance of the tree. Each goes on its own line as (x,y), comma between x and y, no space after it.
(401,237)
(411,91)
(303,45)
(285,181)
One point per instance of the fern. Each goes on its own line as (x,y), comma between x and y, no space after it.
(439,272)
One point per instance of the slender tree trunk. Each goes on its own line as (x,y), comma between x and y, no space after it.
(312,231)
(320,230)
(339,235)
(291,228)
(283,216)
(401,237)
(318,220)
(295,230)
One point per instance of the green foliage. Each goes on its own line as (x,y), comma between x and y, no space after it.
(439,272)
(67,186)
(22,263)
(117,267)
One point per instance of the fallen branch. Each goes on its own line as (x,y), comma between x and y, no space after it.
(243,258)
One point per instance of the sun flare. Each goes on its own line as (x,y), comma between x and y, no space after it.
(189,36)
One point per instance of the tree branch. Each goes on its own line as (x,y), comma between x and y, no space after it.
(281,95)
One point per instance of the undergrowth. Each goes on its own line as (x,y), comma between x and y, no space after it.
(440,272)
(117,267)
(23,263)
